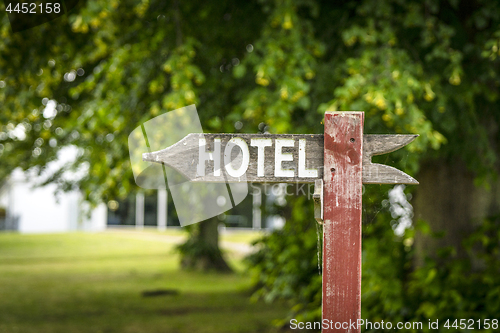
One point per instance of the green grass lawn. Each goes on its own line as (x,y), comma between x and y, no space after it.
(82,282)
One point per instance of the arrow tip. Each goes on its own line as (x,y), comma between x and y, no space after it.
(148,157)
(378,144)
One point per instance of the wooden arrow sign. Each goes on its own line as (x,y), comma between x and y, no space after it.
(338,162)
(282,158)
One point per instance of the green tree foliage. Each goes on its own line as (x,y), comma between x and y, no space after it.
(454,290)
(127,62)
(445,288)
(413,67)
(428,67)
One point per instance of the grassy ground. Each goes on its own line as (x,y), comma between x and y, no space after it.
(82,282)
(230,235)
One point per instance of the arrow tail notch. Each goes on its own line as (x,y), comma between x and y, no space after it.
(378,144)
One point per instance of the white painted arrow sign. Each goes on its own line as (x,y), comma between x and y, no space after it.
(272,158)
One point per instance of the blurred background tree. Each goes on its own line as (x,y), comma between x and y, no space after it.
(428,67)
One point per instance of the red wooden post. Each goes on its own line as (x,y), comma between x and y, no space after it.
(342,221)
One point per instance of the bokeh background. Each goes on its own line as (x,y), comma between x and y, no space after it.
(73,89)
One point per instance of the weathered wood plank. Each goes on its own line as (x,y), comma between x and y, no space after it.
(374,173)
(271,158)
(342,195)
(306,157)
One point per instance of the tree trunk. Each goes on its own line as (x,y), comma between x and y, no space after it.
(449,202)
(201,251)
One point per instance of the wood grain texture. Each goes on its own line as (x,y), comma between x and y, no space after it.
(342,193)
(184,155)
(374,173)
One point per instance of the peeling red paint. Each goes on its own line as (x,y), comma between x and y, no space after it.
(342,218)
(354,157)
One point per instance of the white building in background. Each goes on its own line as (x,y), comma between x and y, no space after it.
(26,208)
(30,209)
